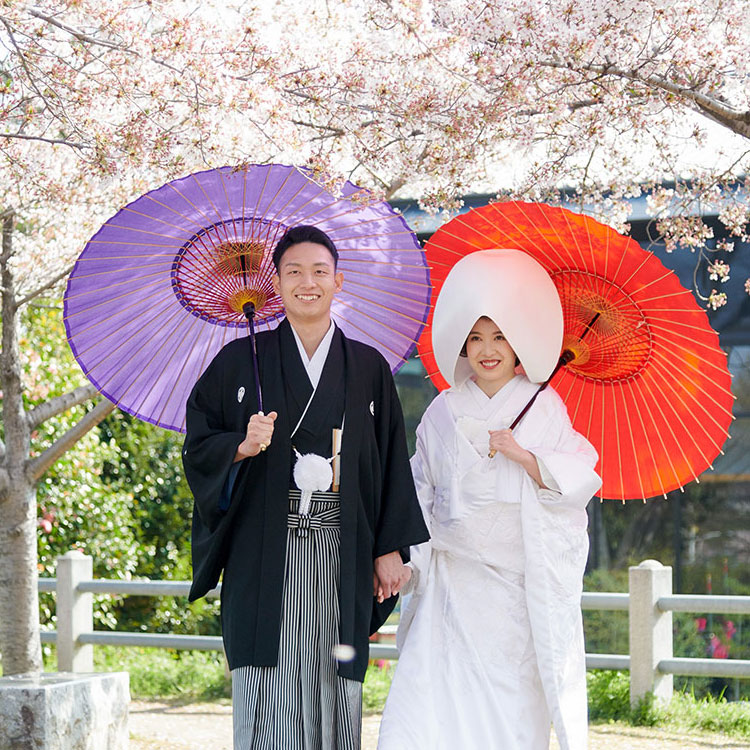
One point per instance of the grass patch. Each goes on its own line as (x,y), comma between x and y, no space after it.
(709,714)
(377,684)
(199,675)
(609,700)
(166,673)
(161,673)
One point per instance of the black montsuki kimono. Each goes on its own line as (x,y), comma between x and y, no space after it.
(247,540)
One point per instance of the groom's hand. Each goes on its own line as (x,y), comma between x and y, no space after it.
(390,576)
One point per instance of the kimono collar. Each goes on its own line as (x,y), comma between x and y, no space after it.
(470,386)
(320,400)
(314,365)
(468,399)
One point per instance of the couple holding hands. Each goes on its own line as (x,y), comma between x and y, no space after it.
(483,532)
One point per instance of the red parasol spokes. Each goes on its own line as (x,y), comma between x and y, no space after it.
(648,383)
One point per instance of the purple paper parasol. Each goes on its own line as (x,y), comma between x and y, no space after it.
(160,288)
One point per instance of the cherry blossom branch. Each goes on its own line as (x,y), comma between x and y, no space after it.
(59,404)
(77,34)
(82,37)
(329,130)
(54,141)
(21,57)
(62,115)
(37,466)
(394,187)
(735,120)
(48,285)
(340,102)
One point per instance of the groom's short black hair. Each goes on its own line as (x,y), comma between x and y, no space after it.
(296,235)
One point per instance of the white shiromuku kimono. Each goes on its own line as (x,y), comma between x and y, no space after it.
(491,638)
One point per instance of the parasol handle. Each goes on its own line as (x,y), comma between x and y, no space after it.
(565,357)
(249,311)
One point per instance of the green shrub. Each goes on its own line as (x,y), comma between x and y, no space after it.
(377,684)
(609,695)
(609,700)
(160,672)
(710,714)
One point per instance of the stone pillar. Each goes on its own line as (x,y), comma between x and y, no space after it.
(650,631)
(75,612)
(56,711)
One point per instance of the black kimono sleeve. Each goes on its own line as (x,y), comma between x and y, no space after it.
(215,427)
(400,522)
(210,446)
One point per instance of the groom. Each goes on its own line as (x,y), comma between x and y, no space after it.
(299,589)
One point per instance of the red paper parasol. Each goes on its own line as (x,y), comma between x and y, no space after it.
(648,384)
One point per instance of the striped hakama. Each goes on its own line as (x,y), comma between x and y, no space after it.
(301,703)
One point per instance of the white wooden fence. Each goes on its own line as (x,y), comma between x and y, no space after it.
(649,603)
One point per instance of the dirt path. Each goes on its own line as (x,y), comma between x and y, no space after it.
(197,726)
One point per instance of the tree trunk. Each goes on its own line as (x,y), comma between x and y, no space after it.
(598,544)
(20,645)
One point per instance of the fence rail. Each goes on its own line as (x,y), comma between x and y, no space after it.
(605,601)
(649,603)
(702,603)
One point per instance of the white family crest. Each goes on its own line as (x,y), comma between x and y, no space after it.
(372,408)
(240,394)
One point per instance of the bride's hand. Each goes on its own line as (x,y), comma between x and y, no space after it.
(502,441)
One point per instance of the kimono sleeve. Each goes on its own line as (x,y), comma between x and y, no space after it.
(425,486)
(209,448)
(400,523)
(565,457)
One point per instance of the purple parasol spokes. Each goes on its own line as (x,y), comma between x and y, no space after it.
(161,287)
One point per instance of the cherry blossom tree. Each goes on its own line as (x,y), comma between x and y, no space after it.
(524,97)
(101,101)
(428,98)
(97,101)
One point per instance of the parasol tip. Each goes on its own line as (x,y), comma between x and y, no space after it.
(248,310)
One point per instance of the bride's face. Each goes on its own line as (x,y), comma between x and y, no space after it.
(490,356)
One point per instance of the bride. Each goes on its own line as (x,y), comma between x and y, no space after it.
(491,639)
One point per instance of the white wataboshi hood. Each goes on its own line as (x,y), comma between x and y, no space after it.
(512,289)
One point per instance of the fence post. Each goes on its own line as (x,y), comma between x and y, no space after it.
(75,612)
(650,631)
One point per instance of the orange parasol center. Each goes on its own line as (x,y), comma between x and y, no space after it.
(606,332)
(227,265)
(238,300)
